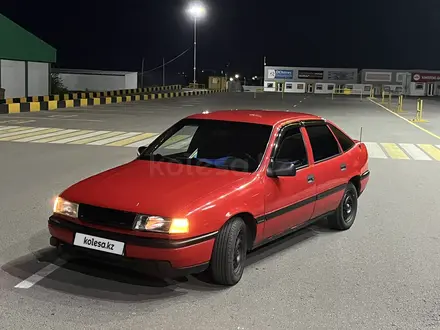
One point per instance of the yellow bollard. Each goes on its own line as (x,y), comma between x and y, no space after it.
(419,113)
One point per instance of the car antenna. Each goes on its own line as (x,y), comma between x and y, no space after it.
(360,137)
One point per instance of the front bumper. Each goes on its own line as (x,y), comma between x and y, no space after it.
(158,257)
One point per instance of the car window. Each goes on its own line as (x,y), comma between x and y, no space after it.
(214,143)
(324,144)
(345,141)
(291,147)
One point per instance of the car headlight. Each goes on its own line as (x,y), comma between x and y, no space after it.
(64,207)
(161,225)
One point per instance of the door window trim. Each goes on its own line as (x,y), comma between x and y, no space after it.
(322,123)
(278,139)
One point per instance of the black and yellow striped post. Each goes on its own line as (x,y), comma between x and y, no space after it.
(92,100)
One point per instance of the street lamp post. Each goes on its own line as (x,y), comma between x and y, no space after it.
(196,10)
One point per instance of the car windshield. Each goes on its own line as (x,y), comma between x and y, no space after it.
(213,143)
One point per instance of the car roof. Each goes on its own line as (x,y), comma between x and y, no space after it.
(265,117)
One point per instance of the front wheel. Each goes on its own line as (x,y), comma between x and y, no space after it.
(345,214)
(229,253)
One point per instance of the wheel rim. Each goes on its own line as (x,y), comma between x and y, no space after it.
(348,207)
(239,253)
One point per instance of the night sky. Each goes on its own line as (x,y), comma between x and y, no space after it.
(115,35)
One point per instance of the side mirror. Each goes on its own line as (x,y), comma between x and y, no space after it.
(279,168)
(141,150)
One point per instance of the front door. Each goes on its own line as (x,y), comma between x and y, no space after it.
(280,87)
(431,89)
(289,201)
(310,90)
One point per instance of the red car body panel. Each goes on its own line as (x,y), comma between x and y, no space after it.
(208,197)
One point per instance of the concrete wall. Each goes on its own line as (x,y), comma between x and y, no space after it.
(97,80)
(310,75)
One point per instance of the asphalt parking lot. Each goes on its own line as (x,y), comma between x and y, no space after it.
(384,273)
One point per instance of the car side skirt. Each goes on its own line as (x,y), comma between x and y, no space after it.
(291,230)
(260,220)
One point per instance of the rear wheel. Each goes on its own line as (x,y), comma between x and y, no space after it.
(345,214)
(229,253)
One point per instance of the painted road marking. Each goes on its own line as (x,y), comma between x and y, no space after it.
(2,128)
(33,138)
(76,138)
(143,142)
(113,139)
(38,276)
(16,129)
(124,142)
(394,151)
(375,151)
(399,151)
(28,133)
(55,138)
(414,152)
(25,129)
(431,150)
(96,138)
(408,121)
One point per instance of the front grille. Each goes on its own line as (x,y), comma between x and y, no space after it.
(106,217)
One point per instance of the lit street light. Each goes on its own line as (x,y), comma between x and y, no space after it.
(237,76)
(196,10)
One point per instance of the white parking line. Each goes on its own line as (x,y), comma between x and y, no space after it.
(143,142)
(38,276)
(375,151)
(113,139)
(33,138)
(7,127)
(75,138)
(415,152)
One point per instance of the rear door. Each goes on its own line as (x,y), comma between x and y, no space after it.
(330,165)
(289,201)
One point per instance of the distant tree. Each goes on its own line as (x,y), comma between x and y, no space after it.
(56,84)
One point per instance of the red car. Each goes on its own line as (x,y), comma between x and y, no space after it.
(211,188)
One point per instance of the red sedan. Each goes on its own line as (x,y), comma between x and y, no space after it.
(211,188)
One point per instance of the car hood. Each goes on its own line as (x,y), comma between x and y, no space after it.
(150,187)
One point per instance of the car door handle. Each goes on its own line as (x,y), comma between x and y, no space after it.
(310,178)
(343,167)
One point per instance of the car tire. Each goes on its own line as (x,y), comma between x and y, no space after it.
(344,216)
(229,253)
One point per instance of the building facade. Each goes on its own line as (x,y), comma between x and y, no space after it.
(327,80)
(409,82)
(25,62)
(305,79)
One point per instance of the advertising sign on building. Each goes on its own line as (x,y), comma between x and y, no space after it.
(279,74)
(341,75)
(425,77)
(310,74)
(378,76)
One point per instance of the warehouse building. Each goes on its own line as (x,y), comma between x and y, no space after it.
(25,62)
(329,80)
(408,82)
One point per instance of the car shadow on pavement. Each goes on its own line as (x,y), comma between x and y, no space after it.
(92,279)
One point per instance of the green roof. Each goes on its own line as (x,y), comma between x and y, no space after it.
(18,44)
